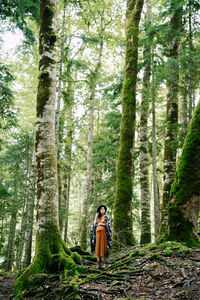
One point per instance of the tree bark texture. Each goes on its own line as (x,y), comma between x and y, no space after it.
(58,108)
(30,213)
(11,240)
(170,144)
(156,197)
(68,115)
(184,203)
(123,224)
(144,157)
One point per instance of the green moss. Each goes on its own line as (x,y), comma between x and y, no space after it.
(153,266)
(50,256)
(79,250)
(76,258)
(156,256)
(138,252)
(167,252)
(186,185)
(123,221)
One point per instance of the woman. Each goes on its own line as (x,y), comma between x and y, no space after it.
(101,235)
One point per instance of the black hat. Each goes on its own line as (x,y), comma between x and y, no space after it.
(100,206)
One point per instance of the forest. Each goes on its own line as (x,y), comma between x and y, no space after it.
(99,105)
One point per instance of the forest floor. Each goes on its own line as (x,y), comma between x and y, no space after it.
(166,271)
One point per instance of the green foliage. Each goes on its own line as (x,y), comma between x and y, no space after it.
(18,11)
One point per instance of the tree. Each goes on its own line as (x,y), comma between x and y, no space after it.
(170,145)
(51,252)
(144,159)
(184,204)
(123,231)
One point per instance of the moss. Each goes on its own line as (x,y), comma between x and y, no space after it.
(79,250)
(153,266)
(50,256)
(123,221)
(167,252)
(43,91)
(156,256)
(186,185)
(138,252)
(90,258)
(76,258)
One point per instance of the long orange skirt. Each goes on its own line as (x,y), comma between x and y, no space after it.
(101,239)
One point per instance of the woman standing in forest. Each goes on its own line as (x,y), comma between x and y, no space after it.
(101,235)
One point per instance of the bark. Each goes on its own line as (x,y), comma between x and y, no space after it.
(68,112)
(30,214)
(58,122)
(155,175)
(144,158)
(170,145)
(84,221)
(183,115)
(51,253)
(123,224)
(184,203)
(2,212)
(23,219)
(22,237)
(11,239)
(58,108)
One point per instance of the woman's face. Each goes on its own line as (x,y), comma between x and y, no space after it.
(102,210)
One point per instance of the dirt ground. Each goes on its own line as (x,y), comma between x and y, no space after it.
(161,273)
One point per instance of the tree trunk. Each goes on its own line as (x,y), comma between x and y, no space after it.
(51,252)
(30,214)
(184,203)
(123,224)
(154,157)
(58,109)
(144,159)
(84,221)
(22,236)
(170,145)
(68,112)
(11,239)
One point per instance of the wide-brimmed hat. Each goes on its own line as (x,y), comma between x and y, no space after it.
(100,206)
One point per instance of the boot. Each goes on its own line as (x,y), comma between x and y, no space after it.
(98,265)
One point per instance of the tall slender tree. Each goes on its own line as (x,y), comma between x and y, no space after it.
(144,159)
(123,224)
(170,145)
(51,251)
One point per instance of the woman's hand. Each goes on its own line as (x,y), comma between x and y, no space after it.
(96,216)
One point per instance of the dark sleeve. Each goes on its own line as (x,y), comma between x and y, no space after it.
(108,228)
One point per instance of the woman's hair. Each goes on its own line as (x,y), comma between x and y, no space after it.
(99,215)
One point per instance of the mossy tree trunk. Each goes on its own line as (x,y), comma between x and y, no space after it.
(93,83)
(123,224)
(170,144)
(51,252)
(184,205)
(144,158)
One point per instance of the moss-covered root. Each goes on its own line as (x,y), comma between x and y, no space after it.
(52,255)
